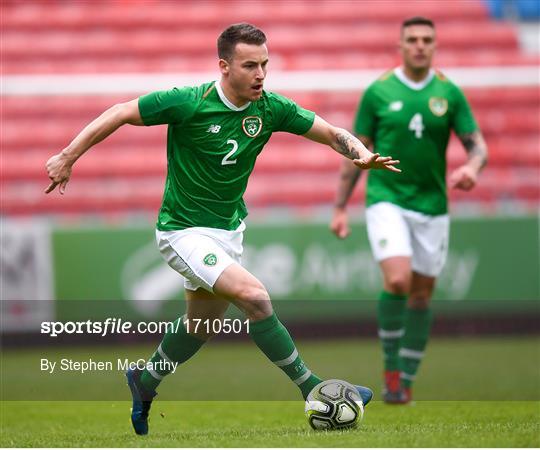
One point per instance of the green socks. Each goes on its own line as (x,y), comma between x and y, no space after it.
(404,333)
(413,344)
(276,343)
(390,318)
(176,347)
(269,334)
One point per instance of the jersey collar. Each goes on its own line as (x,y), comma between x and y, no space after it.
(227,102)
(415,85)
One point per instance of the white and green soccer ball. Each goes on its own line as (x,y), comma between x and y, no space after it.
(334,405)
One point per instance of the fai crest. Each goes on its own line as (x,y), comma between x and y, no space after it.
(252,125)
(438,106)
(210,259)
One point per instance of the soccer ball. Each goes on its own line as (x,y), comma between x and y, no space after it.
(334,405)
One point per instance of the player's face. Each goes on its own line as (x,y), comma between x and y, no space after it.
(246,71)
(417,46)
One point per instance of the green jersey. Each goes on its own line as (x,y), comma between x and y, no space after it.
(212,146)
(412,122)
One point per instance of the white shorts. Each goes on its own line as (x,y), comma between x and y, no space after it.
(201,254)
(394,231)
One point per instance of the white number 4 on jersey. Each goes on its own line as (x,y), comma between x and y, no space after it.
(417,125)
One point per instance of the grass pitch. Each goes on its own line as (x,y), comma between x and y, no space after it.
(470,393)
(269,424)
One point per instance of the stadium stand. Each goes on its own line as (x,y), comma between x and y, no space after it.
(512,9)
(126,172)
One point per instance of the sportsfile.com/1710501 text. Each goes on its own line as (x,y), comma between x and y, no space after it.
(114,325)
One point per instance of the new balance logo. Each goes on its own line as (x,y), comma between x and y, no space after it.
(213,129)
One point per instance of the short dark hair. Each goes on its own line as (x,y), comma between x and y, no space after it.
(417,20)
(236,33)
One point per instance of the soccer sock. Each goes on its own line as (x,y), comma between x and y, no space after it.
(276,343)
(390,318)
(177,346)
(413,344)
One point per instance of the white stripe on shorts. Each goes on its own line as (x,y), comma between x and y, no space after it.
(287,361)
(409,353)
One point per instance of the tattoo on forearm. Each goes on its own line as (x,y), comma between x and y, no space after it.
(346,144)
(475,146)
(347,181)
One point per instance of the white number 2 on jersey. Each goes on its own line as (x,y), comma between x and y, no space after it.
(225,161)
(417,125)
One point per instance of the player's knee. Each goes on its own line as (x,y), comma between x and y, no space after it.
(252,293)
(258,309)
(419,300)
(254,301)
(398,284)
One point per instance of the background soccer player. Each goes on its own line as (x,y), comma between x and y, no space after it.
(216,131)
(410,111)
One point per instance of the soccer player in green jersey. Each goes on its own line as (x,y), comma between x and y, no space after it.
(410,111)
(215,133)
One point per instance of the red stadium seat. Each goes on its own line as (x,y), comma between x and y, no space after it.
(126,172)
(79,37)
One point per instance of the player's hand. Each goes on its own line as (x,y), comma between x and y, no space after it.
(463,178)
(340,223)
(59,171)
(376,161)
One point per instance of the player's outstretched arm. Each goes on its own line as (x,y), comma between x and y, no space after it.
(348,177)
(466,176)
(60,165)
(346,144)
